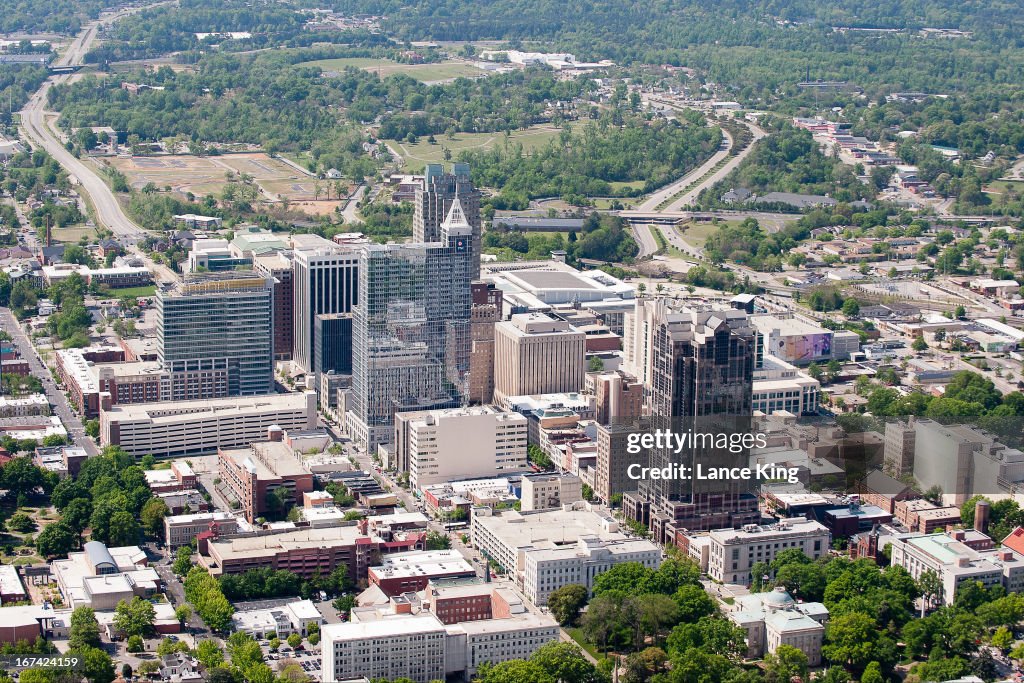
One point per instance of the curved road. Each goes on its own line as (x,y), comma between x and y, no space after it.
(667,192)
(691,195)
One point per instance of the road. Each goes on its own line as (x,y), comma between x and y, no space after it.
(691,195)
(55,396)
(667,192)
(35,128)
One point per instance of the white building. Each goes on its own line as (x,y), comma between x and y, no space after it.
(100,577)
(546,550)
(417,646)
(178,428)
(951,556)
(462,443)
(284,620)
(179,530)
(774,618)
(34,404)
(732,552)
(545,490)
(779,385)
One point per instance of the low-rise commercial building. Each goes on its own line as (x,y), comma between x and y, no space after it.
(306,552)
(546,550)
(100,577)
(732,552)
(196,427)
(282,621)
(410,572)
(951,556)
(181,530)
(257,473)
(441,445)
(545,490)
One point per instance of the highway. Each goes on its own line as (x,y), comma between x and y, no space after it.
(34,127)
(691,195)
(667,192)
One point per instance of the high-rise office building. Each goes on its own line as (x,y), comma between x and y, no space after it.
(332,343)
(410,347)
(278,266)
(433,203)
(214,336)
(537,354)
(326,279)
(486,312)
(702,365)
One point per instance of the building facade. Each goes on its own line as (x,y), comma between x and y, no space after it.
(214,336)
(537,354)
(325,280)
(433,203)
(278,267)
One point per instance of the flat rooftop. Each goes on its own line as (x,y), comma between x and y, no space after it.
(267,544)
(173,411)
(549,528)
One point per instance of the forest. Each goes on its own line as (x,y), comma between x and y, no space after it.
(48,16)
(762,45)
(789,160)
(587,163)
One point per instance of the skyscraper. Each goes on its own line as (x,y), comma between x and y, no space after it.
(410,346)
(433,203)
(214,334)
(537,354)
(278,266)
(701,381)
(326,278)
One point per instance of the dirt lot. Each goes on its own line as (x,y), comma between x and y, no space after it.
(208,175)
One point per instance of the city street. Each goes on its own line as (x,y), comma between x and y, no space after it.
(53,393)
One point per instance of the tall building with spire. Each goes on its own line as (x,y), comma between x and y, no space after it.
(701,365)
(410,345)
(433,203)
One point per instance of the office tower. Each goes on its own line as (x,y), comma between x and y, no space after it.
(214,335)
(433,203)
(332,344)
(537,354)
(410,347)
(702,365)
(326,278)
(485,313)
(278,266)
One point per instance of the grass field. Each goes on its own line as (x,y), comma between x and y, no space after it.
(148,290)
(428,73)
(696,234)
(1003,186)
(422,152)
(72,234)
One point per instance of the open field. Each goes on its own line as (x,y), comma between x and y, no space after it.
(147,290)
(428,73)
(72,234)
(422,152)
(1003,186)
(201,176)
(696,234)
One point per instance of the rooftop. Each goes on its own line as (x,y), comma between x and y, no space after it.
(171,411)
(267,544)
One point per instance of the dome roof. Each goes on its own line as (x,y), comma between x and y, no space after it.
(779,599)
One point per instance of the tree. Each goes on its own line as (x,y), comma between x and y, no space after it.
(183,613)
(152,515)
(1002,638)
(123,529)
(693,602)
(96,665)
(136,644)
(851,308)
(872,674)
(209,654)
(853,640)
(275,643)
(21,523)
(640,666)
(135,617)
(437,541)
(564,662)
(919,344)
(566,602)
(56,540)
(77,514)
(514,671)
(85,630)
(294,640)
(784,664)
(929,587)
(182,561)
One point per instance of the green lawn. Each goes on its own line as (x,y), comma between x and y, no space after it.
(385,67)
(72,234)
(148,290)
(577,635)
(422,152)
(697,233)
